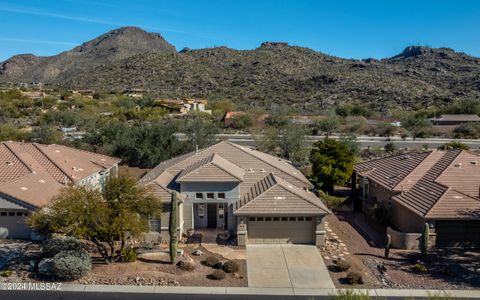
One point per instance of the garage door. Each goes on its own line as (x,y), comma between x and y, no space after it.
(458,233)
(280,230)
(15,223)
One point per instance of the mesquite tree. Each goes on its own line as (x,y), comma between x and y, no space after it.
(173,227)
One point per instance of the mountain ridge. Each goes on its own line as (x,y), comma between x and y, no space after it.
(274,72)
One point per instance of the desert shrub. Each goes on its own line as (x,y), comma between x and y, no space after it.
(6,273)
(211,261)
(217,275)
(354,278)
(390,148)
(71,265)
(420,268)
(55,245)
(129,255)
(331,201)
(342,265)
(186,265)
(231,266)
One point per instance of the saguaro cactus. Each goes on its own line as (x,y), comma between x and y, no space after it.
(172,227)
(424,240)
(388,241)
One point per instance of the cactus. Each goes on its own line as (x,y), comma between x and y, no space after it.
(173,227)
(388,241)
(424,240)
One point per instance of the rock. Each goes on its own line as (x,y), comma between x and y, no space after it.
(45,266)
(3,233)
(180,252)
(198,252)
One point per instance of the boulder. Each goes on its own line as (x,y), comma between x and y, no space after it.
(45,266)
(3,233)
(198,252)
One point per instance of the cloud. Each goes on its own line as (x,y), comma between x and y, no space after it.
(33,41)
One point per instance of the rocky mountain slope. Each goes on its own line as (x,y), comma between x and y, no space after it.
(273,73)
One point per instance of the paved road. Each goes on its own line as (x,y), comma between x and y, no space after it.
(286,266)
(364,141)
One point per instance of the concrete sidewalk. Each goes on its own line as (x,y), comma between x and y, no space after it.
(78,291)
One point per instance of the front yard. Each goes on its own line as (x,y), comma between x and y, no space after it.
(363,250)
(149,269)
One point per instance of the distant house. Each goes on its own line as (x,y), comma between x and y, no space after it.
(260,198)
(134,93)
(32,174)
(33,94)
(184,106)
(438,188)
(455,119)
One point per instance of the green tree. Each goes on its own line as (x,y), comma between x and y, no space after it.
(416,125)
(390,148)
(10,133)
(327,126)
(200,131)
(46,135)
(454,145)
(120,212)
(386,129)
(332,163)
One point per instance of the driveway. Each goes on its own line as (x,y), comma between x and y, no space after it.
(286,266)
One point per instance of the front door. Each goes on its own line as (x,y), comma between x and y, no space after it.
(212,215)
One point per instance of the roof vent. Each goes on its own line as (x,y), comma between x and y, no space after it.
(405,157)
(474,162)
(42,181)
(459,165)
(23,188)
(250,170)
(262,170)
(279,198)
(9,163)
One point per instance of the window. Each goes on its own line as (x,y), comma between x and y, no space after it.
(284,219)
(251,219)
(221,195)
(201,210)
(292,219)
(220,206)
(260,219)
(308,219)
(300,219)
(10,214)
(210,196)
(198,195)
(268,219)
(154,224)
(276,219)
(19,214)
(3,213)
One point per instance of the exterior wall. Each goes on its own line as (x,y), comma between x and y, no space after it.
(98,180)
(320,233)
(165,222)
(404,219)
(231,190)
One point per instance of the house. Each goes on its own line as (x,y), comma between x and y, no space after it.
(184,106)
(34,95)
(32,174)
(455,119)
(438,188)
(134,93)
(228,187)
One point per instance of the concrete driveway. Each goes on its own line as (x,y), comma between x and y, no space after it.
(286,266)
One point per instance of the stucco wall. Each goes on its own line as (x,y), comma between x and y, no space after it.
(404,219)
(231,190)
(408,240)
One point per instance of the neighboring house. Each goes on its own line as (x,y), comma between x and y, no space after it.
(440,188)
(184,106)
(455,119)
(258,197)
(134,93)
(32,174)
(34,95)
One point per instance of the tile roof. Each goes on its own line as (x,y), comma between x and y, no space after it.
(434,184)
(458,117)
(212,168)
(34,173)
(241,162)
(273,196)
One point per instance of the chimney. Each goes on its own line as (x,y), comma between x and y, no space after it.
(196,148)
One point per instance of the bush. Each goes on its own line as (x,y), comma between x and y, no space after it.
(6,273)
(55,245)
(231,266)
(71,265)
(129,255)
(211,261)
(331,201)
(351,295)
(217,275)
(342,265)
(186,265)
(420,268)
(354,278)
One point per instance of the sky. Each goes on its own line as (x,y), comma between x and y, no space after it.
(349,29)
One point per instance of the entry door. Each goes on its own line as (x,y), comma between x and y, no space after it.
(212,215)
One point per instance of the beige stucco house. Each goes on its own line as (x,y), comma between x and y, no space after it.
(32,174)
(438,188)
(256,196)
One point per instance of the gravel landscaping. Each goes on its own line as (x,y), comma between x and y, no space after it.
(453,269)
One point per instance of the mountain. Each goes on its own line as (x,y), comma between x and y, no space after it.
(103,50)
(274,73)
